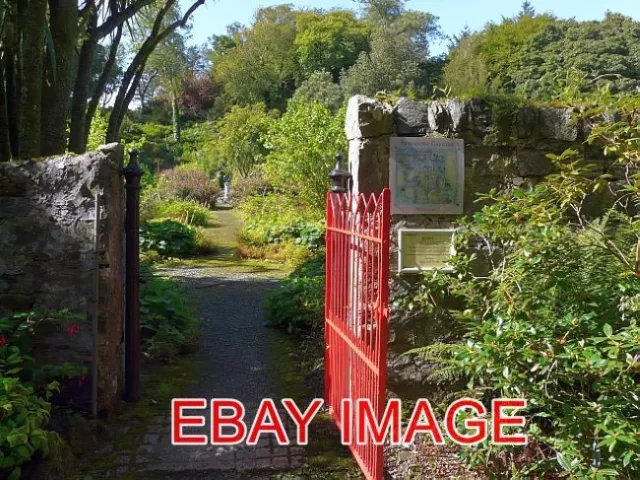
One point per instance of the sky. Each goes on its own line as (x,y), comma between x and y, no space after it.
(213,17)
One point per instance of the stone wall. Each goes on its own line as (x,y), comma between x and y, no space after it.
(503,149)
(47,260)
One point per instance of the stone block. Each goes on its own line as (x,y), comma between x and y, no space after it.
(47,219)
(280,462)
(263,463)
(369,164)
(459,114)
(480,116)
(526,123)
(557,124)
(534,163)
(263,452)
(490,162)
(439,119)
(367,118)
(411,117)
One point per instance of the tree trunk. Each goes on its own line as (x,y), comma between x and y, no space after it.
(57,89)
(34,14)
(13,100)
(143,89)
(77,136)
(132,76)
(102,82)
(5,147)
(175,111)
(135,70)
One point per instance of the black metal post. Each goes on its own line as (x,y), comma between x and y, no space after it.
(340,178)
(132,175)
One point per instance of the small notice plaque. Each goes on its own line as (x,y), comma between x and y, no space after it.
(425,249)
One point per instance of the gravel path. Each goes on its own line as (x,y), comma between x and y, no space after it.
(236,359)
(234,345)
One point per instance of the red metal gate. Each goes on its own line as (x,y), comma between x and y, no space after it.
(357,310)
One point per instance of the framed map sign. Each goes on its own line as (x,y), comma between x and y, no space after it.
(425,249)
(426,175)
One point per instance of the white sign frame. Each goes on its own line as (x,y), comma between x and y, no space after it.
(434,209)
(452,251)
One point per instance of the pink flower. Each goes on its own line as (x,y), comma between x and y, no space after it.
(3,341)
(72,329)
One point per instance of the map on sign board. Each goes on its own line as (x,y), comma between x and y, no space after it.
(424,249)
(426,175)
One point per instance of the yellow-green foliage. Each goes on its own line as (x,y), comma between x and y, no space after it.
(188,212)
(279,227)
(303,145)
(239,140)
(542,57)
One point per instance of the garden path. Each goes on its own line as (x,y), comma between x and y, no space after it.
(238,357)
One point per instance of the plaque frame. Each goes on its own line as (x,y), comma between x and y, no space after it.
(455,207)
(402,231)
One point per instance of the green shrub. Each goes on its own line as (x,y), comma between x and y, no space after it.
(188,212)
(167,319)
(303,145)
(24,417)
(25,389)
(155,143)
(298,304)
(272,223)
(553,320)
(199,148)
(168,238)
(299,232)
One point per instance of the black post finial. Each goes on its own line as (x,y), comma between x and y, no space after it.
(339,177)
(133,169)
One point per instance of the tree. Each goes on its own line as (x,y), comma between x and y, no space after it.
(239,137)
(106,80)
(319,87)
(329,41)
(457,38)
(198,94)
(466,70)
(540,56)
(136,68)
(47,64)
(399,49)
(169,60)
(527,9)
(302,145)
(261,64)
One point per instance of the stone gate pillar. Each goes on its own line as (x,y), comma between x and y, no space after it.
(369,125)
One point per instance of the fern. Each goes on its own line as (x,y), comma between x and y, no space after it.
(447,368)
